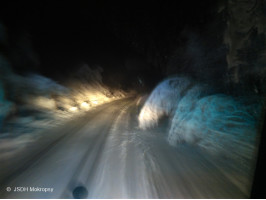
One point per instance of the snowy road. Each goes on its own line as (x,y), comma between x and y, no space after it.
(107,153)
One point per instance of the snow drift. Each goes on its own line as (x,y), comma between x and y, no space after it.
(162,101)
(166,97)
(35,99)
(216,122)
(87,90)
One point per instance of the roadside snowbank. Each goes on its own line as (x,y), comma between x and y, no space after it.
(32,104)
(216,122)
(40,100)
(162,101)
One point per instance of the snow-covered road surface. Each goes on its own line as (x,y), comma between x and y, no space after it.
(106,152)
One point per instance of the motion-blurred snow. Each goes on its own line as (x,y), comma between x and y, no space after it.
(31,103)
(216,122)
(169,95)
(163,101)
(34,103)
(37,96)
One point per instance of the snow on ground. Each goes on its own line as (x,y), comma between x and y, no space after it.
(38,103)
(162,101)
(219,124)
(215,122)
(41,98)
(30,104)
(213,117)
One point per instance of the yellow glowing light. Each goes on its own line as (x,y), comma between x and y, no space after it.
(94,101)
(73,109)
(85,106)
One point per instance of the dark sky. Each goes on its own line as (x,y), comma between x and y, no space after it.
(66,33)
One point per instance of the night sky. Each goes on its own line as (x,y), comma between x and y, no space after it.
(66,34)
